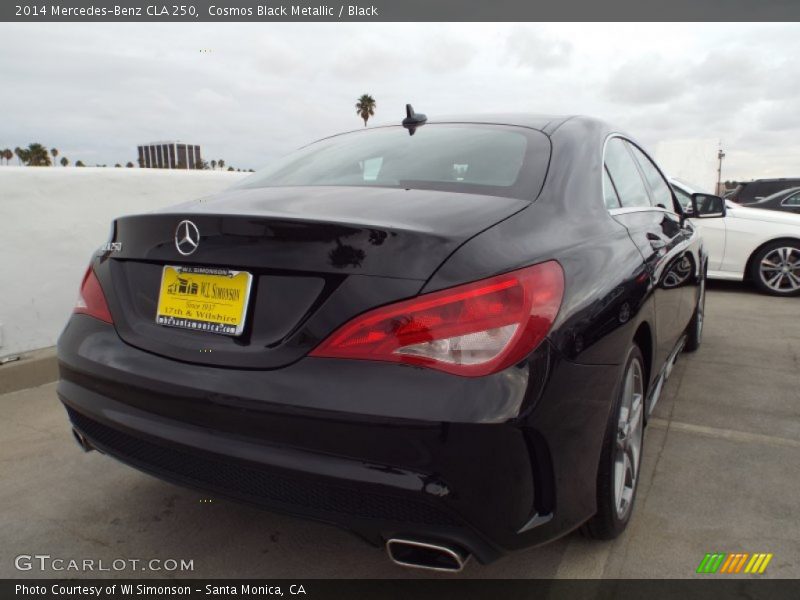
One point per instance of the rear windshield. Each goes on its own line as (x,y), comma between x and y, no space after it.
(482,159)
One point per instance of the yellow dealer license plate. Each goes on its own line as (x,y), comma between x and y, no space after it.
(204,299)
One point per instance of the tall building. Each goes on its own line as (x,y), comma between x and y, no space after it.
(170,155)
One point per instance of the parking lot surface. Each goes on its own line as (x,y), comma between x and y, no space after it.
(720,474)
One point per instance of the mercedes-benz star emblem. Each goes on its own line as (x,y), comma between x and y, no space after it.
(187,237)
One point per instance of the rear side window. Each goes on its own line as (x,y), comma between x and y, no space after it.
(661,194)
(623,172)
(494,160)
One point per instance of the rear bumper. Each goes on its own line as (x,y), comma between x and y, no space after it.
(391,506)
(488,464)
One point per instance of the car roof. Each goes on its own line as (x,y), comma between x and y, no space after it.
(541,122)
(546,124)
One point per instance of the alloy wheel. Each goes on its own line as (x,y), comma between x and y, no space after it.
(630,429)
(780,269)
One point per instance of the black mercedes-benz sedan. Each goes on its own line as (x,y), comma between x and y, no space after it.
(786,200)
(444,336)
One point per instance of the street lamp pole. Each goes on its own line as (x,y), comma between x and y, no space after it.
(720,156)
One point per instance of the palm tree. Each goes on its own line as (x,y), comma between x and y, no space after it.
(64,161)
(35,155)
(221,163)
(79,164)
(365,107)
(17,150)
(213,164)
(7,154)
(54,152)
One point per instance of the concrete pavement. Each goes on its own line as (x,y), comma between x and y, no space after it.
(720,474)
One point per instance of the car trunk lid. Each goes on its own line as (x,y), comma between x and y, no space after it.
(317,257)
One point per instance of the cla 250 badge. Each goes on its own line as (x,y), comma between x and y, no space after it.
(110,247)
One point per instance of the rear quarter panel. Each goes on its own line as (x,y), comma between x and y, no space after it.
(606,292)
(745,234)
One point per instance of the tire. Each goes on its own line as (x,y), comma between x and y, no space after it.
(694,331)
(775,268)
(617,482)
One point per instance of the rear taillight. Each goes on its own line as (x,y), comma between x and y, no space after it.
(91,300)
(471,330)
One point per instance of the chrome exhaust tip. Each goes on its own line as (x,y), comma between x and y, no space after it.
(82,441)
(423,555)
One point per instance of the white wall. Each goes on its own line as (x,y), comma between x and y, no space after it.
(693,161)
(52,219)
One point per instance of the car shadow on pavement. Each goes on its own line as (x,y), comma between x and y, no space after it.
(734,287)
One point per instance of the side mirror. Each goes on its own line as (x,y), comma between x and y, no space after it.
(706,206)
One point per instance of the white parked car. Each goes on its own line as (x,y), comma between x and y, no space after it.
(750,243)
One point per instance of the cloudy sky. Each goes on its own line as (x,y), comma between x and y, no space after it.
(248,93)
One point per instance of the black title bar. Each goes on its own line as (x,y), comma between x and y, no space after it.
(753,588)
(398,10)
